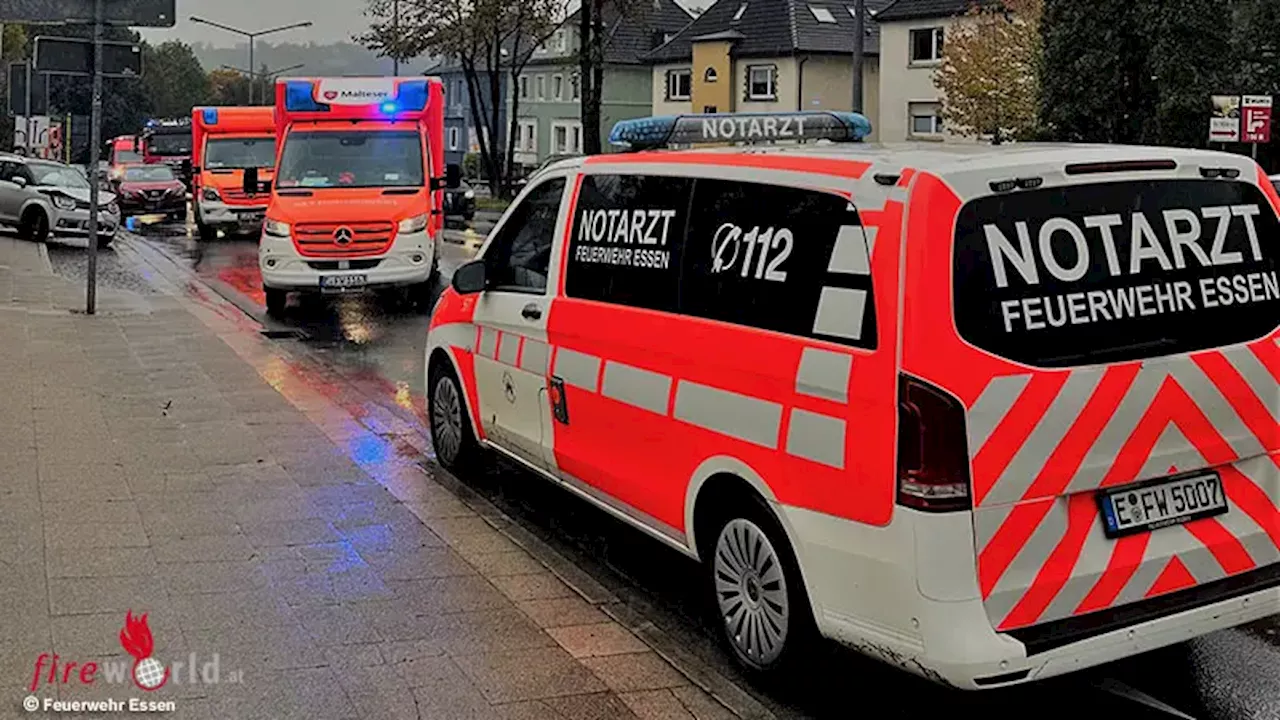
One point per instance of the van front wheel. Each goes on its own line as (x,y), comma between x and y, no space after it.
(760,600)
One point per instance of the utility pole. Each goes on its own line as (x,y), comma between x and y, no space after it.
(859,37)
(395,31)
(95,140)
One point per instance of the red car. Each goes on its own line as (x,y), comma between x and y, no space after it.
(151,190)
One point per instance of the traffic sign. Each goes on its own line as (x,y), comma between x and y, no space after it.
(1255,114)
(74,56)
(1224,121)
(18,91)
(141,13)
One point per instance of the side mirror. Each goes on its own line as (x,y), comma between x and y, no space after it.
(452,176)
(19,181)
(251,181)
(470,278)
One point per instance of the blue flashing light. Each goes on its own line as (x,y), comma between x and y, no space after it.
(389,108)
(767,127)
(210,116)
(412,95)
(298,97)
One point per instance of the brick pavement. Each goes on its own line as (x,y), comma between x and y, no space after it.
(159,458)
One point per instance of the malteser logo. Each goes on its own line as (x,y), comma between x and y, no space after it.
(331,95)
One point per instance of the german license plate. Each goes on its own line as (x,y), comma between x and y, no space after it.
(343,282)
(1149,506)
(251,218)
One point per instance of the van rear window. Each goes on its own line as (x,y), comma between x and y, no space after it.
(1120,271)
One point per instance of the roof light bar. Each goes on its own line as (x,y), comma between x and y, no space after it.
(667,130)
(210,116)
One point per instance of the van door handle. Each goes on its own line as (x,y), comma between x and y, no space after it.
(531,312)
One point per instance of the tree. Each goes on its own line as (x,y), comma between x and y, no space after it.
(484,37)
(990,70)
(173,79)
(228,87)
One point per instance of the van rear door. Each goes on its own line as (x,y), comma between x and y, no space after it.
(1118,338)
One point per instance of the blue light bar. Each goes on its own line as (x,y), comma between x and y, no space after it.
(664,131)
(411,96)
(210,116)
(298,97)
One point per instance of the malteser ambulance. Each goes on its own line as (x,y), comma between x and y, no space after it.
(359,187)
(989,414)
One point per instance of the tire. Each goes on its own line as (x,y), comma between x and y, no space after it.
(276,301)
(757,591)
(452,436)
(34,225)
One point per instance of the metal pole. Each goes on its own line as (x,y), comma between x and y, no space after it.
(253,74)
(859,35)
(28,143)
(1255,152)
(95,139)
(395,30)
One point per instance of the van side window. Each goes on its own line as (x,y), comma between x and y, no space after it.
(777,258)
(519,258)
(627,239)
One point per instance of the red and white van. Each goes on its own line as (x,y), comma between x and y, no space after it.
(226,143)
(359,186)
(989,414)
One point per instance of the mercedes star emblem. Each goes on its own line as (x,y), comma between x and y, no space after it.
(342,236)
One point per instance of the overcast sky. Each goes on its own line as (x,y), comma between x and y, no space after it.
(335,20)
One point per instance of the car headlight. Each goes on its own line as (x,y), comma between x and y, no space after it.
(275,228)
(211,195)
(62,202)
(470,194)
(417,223)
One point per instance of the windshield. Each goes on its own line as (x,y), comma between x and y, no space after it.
(170,144)
(240,153)
(57,176)
(353,159)
(120,157)
(149,173)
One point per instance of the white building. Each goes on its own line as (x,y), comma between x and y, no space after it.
(912,34)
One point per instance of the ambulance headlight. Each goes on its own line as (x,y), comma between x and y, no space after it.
(417,223)
(275,228)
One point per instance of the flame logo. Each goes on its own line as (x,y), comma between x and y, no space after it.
(136,638)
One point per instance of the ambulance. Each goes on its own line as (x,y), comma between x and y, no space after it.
(987,414)
(226,142)
(359,187)
(168,141)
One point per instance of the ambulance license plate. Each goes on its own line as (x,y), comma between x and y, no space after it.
(342,282)
(1158,504)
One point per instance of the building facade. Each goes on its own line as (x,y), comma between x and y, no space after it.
(461,136)
(767,55)
(912,35)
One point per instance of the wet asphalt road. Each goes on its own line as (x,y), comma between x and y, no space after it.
(1231,675)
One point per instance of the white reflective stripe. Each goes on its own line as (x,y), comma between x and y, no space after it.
(850,253)
(1263,472)
(740,416)
(1035,450)
(824,374)
(840,312)
(1251,535)
(1118,429)
(1022,572)
(459,335)
(870,232)
(991,406)
(1164,544)
(1221,414)
(534,357)
(488,342)
(1258,377)
(1095,555)
(815,437)
(508,348)
(635,386)
(1172,450)
(987,522)
(577,369)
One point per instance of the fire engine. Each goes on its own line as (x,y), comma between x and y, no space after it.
(226,141)
(168,141)
(987,414)
(359,184)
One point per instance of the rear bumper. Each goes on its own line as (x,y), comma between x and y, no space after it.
(907,594)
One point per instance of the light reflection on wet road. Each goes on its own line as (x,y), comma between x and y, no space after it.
(365,352)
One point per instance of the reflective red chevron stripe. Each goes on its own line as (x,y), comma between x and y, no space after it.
(1240,395)
(1056,571)
(1126,556)
(1017,424)
(1246,495)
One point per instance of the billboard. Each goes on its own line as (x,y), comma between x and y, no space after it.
(1224,120)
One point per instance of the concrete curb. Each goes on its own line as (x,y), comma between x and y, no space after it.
(44,259)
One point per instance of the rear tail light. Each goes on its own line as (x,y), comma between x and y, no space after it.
(933,449)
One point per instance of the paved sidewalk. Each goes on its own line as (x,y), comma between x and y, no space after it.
(160,458)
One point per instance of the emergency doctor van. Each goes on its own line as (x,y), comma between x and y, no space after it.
(358,189)
(988,414)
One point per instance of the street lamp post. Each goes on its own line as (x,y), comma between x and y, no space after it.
(251,36)
(268,75)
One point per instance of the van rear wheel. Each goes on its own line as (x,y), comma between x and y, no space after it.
(759,597)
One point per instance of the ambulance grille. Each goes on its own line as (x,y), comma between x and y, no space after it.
(238,195)
(322,239)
